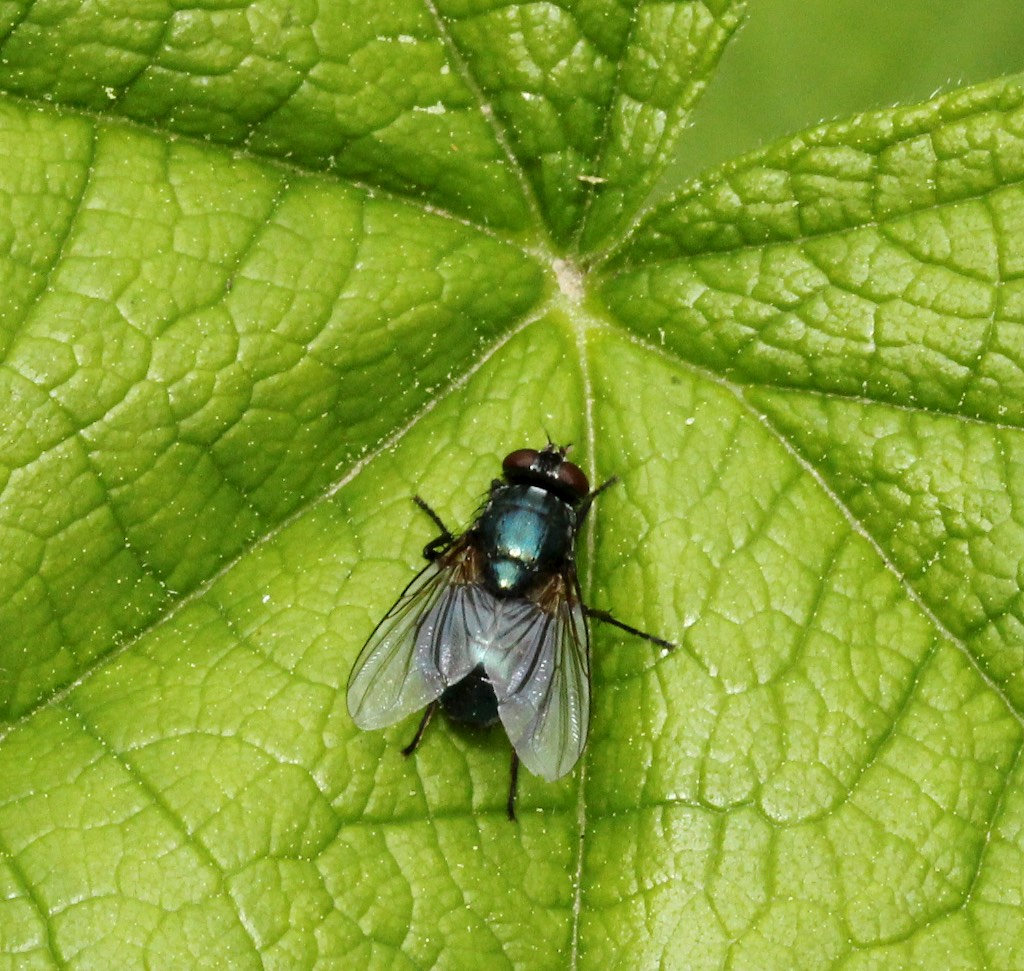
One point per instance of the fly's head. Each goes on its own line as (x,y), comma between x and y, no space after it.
(548,469)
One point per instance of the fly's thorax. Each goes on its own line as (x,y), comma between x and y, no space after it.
(526,533)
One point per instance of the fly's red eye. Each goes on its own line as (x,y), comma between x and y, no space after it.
(573,477)
(521,460)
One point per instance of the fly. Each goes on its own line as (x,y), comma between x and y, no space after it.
(494,628)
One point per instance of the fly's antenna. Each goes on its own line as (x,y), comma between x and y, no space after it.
(562,450)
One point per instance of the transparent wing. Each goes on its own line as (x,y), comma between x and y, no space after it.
(542,678)
(422,644)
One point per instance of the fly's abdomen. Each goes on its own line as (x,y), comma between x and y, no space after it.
(526,533)
(472,700)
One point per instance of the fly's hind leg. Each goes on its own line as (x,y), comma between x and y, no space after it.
(418,737)
(513,782)
(437,546)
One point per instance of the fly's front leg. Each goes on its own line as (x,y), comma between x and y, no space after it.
(437,546)
(603,615)
(588,499)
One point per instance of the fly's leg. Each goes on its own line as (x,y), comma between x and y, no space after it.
(435,547)
(513,782)
(603,615)
(588,499)
(426,507)
(607,618)
(418,737)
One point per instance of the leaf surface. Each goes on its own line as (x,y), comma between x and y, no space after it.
(271,270)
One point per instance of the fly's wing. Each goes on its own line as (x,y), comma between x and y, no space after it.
(422,645)
(542,677)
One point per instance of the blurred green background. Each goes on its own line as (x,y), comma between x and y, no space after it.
(795,63)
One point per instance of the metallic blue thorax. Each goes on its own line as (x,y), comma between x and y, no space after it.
(526,534)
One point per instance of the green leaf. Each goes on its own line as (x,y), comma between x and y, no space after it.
(775,80)
(269,271)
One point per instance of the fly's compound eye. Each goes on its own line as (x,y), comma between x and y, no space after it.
(521,460)
(572,476)
(547,469)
